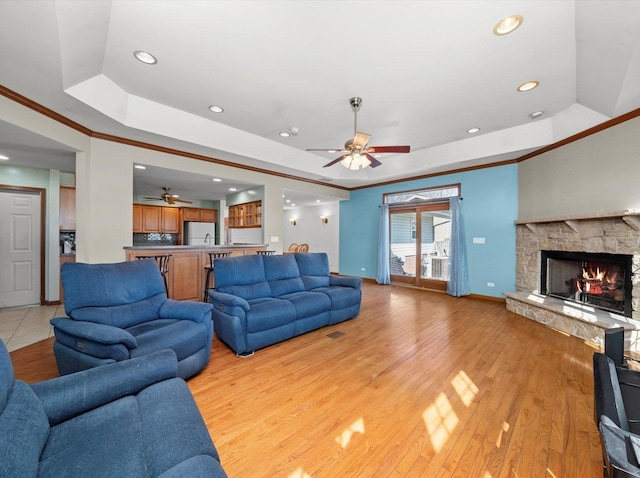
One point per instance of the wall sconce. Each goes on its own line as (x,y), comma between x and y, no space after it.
(324,219)
(292,222)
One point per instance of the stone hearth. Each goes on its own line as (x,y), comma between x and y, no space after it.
(616,233)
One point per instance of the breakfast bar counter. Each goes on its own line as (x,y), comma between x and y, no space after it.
(186,275)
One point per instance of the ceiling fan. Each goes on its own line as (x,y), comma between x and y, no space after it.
(357,153)
(169,198)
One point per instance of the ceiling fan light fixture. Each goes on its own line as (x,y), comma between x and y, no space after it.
(507,25)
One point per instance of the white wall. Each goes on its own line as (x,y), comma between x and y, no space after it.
(311,230)
(598,174)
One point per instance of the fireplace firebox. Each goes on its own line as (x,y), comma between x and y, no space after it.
(600,280)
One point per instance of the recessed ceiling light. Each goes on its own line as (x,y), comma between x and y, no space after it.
(4,158)
(536,114)
(139,166)
(332,151)
(473,130)
(145,57)
(507,25)
(232,189)
(216,109)
(317,200)
(293,204)
(288,200)
(529,85)
(284,134)
(217,180)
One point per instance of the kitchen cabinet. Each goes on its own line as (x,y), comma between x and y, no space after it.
(170,220)
(156,219)
(245,215)
(193,214)
(67,208)
(137,218)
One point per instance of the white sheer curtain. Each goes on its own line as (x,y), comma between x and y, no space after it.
(383,276)
(458,284)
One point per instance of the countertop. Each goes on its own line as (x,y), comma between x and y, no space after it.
(196,246)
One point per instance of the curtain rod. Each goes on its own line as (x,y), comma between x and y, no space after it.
(421,203)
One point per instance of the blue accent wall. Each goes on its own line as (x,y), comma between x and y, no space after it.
(490,207)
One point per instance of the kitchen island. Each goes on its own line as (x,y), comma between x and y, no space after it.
(186,275)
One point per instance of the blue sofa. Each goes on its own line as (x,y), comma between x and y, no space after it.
(262,300)
(121,311)
(130,419)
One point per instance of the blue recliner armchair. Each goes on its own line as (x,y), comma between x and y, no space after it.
(130,419)
(120,311)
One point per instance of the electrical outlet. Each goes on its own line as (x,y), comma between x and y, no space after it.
(478,240)
(363,269)
(490,284)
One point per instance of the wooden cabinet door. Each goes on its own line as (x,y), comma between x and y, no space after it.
(191,214)
(186,276)
(151,218)
(170,220)
(208,215)
(137,218)
(67,208)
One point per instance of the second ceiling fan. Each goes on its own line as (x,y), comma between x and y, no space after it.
(356,152)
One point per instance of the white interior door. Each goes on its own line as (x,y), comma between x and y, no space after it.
(19,249)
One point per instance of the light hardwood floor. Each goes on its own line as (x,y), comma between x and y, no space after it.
(419,385)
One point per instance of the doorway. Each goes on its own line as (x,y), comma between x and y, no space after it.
(21,246)
(420,244)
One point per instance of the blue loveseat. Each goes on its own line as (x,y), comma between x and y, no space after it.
(121,311)
(262,300)
(130,419)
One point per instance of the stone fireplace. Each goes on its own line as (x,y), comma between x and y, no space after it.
(595,284)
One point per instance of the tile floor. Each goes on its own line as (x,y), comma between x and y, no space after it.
(22,326)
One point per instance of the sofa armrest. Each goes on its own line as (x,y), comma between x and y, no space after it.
(355,282)
(98,333)
(222,300)
(195,311)
(74,394)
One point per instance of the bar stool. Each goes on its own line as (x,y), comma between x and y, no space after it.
(209,269)
(266,253)
(163,264)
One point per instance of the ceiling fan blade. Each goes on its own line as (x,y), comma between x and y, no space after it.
(361,140)
(182,200)
(334,150)
(374,162)
(335,161)
(388,149)
(157,199)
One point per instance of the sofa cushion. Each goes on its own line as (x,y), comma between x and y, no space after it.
(308,304)
(106,285)
(104,442)
(268,313)
(169,405)
(341,297)
(314,269)
(24,430)
(6,375)
(184,337)
(282,274)
(242,276)
(121,316)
